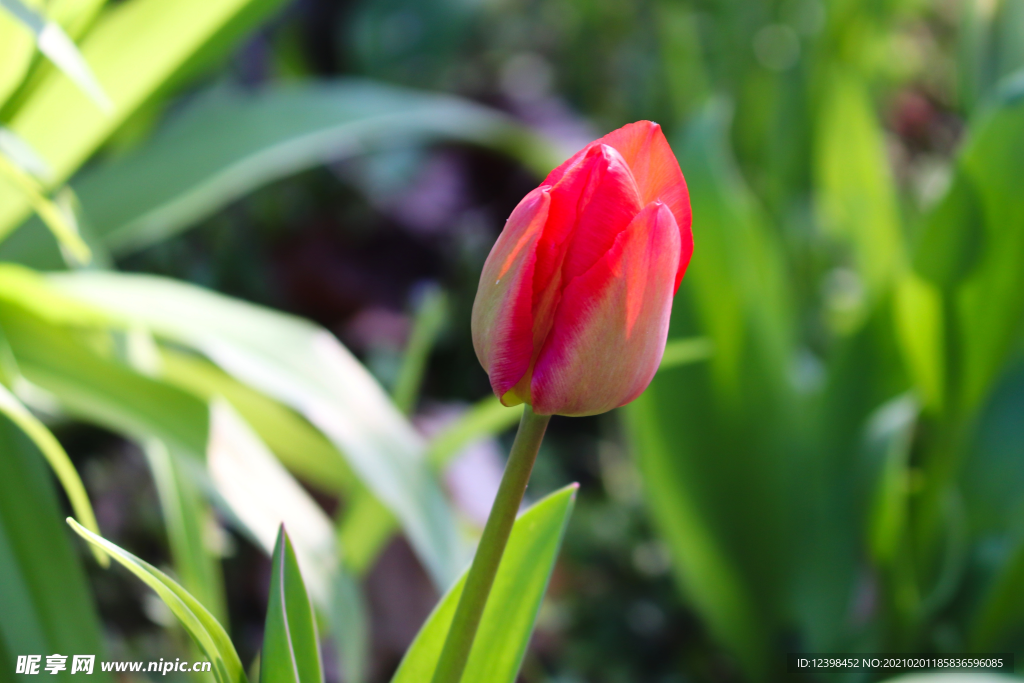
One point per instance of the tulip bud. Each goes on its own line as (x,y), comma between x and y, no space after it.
(572,312)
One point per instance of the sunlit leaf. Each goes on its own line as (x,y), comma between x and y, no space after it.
(55,455)
(53,42)
(508,618)
(305,367)
(61,223)
(133,49)
(208,634)
(889,436)
(231,142)
(856,190)
(186,517)
(428,322)
(22,155)
(295,442)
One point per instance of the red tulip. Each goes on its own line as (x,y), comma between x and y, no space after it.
(573,307)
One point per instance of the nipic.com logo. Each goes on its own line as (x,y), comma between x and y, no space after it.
(84,664)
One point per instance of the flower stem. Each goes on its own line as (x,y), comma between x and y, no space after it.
(459,642)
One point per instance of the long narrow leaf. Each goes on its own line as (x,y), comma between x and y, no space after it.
(229,143)
(305,367)
(58,221)
(186,515)
(507,621)
(59,49)
(55,455)
(45,605)
(133,49)
(207,632)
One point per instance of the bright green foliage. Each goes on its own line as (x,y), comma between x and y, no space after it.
(512,606)
(54,453)
(291,653)
(45,602)
(303,366)
(207,633)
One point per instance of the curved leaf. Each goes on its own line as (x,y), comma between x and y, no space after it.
(231,142)
(208,634)
(512,607)
(59,49)
(306,368)
(133,49)
(55,454)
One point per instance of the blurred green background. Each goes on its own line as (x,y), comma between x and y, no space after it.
(842,472)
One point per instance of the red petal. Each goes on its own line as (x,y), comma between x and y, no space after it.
(657,174)
(611,325)
(502,321)
(590,206)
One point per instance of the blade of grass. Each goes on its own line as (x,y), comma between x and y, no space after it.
(197,620)
(56,456)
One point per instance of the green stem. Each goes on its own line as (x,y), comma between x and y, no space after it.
(492,545)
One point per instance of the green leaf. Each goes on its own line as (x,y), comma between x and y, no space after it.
(952,677)
(60,222)
(291,652)
(952,237)
(297,444)
(682,351)
(261,496)
(920,327)
(45,603)
(429,321)
(53,42)
(988,299)
(99,390)
(22,155)
(856,196)
(17,47)
(890,433)
(999,614)
(707,575)
(363,530)
(512,607)
(207,633)
(133,49)
(55,455)
(230,142)
(306,368)
(250,486)
(186,517)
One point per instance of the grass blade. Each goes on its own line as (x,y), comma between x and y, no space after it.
(206,631)
(290,648)
(56,456)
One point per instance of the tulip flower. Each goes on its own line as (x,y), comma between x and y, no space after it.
(571,316)
(572,312)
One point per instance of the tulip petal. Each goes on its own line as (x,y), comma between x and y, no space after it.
(612,322)
(592,203)
(657,173)
(502,320)
(608,202)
